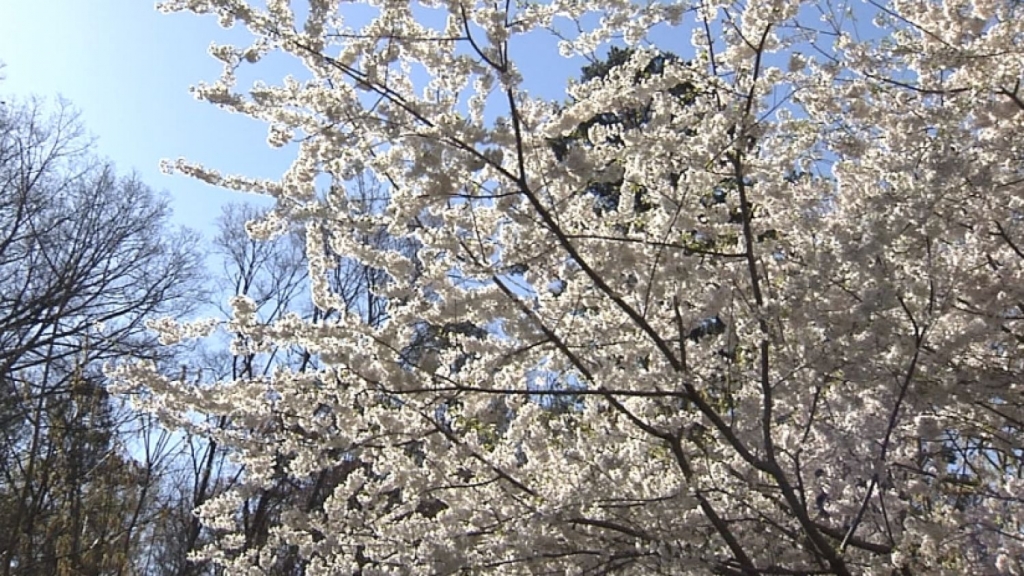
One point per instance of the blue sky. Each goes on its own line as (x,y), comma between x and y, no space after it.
(127,68)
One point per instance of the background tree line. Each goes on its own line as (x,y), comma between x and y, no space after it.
(592,337)
(88,485)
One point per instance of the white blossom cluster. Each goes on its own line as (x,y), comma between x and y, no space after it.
(793,347)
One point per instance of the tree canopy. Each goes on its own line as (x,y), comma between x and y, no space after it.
(86,258)
(794,346)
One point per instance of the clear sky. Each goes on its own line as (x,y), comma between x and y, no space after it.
(127,68)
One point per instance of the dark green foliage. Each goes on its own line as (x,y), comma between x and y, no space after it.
(607,195)
(432,339)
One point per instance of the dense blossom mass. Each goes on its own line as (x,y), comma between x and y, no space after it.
(752,309)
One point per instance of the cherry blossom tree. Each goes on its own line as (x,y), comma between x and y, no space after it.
(800,355)
(273,275)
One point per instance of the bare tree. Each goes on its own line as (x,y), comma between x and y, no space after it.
(86,258)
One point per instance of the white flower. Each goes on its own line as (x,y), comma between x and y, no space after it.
(512,340)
